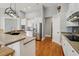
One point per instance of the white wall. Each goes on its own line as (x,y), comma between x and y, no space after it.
(63,15)
(50,11)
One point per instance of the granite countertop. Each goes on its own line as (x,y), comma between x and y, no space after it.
(74,44)
(6,39)
(68,33)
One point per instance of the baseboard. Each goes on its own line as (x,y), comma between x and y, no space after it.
(47,35)
(56,42)
(43,38)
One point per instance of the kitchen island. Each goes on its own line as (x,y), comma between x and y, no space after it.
(17,42)
(7,39)
(12,41)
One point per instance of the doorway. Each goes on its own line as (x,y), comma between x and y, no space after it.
(48,27)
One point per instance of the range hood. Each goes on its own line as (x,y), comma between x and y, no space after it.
(74,17)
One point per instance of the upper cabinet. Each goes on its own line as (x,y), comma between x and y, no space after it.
(73,7)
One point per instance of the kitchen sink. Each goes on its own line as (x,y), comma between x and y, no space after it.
(13,33)
(72,37)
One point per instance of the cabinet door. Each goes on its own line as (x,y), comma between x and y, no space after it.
(71,50)
(64,49)
(29,49)
(64,46)
(67,48)
(16,47)
(74,53)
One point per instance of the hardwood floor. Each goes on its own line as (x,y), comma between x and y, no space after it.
(48,48)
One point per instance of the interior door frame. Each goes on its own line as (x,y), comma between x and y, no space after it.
(51,26)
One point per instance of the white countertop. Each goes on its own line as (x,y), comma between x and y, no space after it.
(6,39)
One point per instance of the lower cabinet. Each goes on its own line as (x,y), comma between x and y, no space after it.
(16,47)
(28,49)
(23,50)
(67,48)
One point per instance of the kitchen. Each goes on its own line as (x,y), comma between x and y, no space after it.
(21,27)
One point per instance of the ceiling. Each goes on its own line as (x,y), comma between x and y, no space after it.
(27,7)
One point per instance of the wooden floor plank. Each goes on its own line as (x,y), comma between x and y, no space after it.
(48,48)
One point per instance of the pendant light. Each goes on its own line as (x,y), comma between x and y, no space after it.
(9,11)
(58,8)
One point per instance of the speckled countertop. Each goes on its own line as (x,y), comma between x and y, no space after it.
(74,44)
(6,39)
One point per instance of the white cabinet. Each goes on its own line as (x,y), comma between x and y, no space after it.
(67,48)
(73,7)
(16,47)
(56,28)
(28,49)
(64,46)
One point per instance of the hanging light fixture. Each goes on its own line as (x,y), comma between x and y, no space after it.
(58,8)
(9,11)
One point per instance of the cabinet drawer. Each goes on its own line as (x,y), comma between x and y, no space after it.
(16,47)
(29,49)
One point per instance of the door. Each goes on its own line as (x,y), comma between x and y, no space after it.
(48,26)
(56,28)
